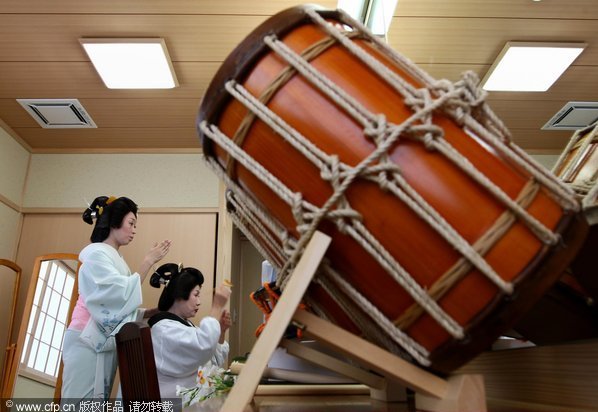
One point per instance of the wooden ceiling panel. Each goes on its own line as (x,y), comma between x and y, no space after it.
(541,141)
(570,9)
(188,38)
(40,57)
(480,40)
(51,80)
(516,114)
(169,7)
(120,113)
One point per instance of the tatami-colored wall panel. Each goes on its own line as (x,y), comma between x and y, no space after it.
(167,181)
(13,168)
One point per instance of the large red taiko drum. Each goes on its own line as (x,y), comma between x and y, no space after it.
(443,231)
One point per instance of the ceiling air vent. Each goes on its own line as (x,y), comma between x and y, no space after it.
(573,116)
(58,113)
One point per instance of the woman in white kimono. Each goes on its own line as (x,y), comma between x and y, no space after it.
(180,348)
(109,297)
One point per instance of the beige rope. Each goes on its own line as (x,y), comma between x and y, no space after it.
(250,220)
(365,325)
(280,80)
(458,101)
(462,267)
(469,92)
(425,107)
(411,346)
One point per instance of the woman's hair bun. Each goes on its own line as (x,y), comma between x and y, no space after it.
(95,209)
(164,273)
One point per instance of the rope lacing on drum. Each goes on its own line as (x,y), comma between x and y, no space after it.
(435,96)
(421,97)
(425,107)
(397,272)
(345,296)
(375,127)
(492,131)
(395,132)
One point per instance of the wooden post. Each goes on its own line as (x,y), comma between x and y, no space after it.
(247,381)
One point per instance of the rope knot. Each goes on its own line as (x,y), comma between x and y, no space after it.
(383,181)
(330,172)
(429,141)
(470,90)
(297,207)
(442,86)
(344,217)
(376,127)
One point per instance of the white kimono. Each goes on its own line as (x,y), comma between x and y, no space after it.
(180,349)
(112,295)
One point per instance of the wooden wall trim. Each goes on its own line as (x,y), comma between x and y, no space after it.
(10,204)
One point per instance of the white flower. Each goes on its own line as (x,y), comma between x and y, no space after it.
(211,381)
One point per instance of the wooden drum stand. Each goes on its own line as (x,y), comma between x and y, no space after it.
(459,393)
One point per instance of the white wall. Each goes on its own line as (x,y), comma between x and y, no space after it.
(546,160)
(9,231)
(13,167)
(151,180)
(13,172)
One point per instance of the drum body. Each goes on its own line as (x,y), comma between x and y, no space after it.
(443,231)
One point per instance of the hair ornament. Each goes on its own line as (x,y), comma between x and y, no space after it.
(164,274)
(110,200)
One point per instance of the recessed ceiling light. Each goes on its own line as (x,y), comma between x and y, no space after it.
(131,63)
(530,67)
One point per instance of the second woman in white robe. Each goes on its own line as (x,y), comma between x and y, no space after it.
(180,348)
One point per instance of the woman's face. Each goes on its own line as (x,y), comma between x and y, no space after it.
(126,232)
(190,306)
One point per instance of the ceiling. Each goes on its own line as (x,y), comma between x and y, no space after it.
(40,57)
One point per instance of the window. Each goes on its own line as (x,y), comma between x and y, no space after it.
(48,320)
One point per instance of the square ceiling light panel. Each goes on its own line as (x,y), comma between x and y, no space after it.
(131,63)
(530,67)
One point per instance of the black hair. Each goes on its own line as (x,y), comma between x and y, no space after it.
(108,213)
(179,286)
